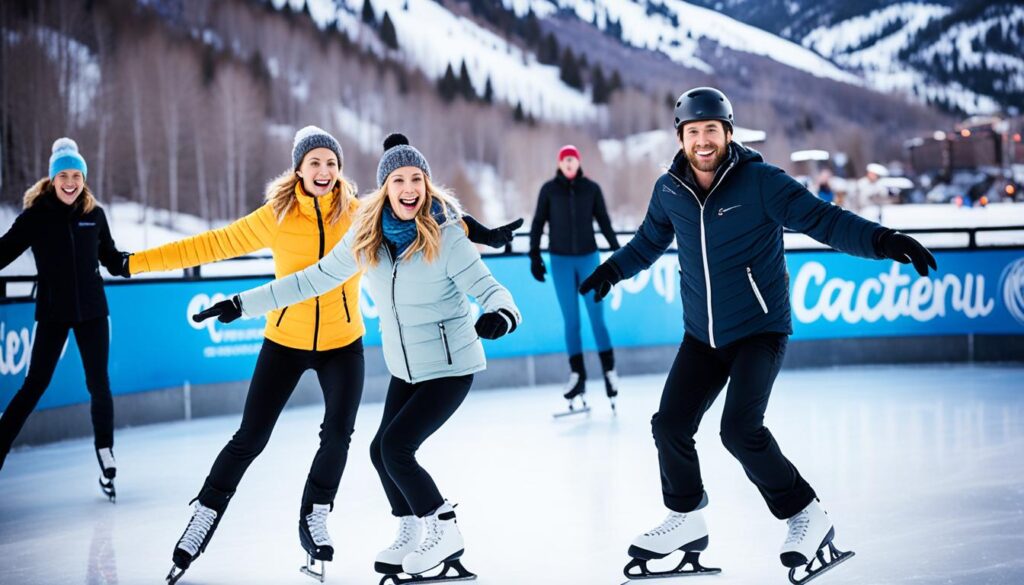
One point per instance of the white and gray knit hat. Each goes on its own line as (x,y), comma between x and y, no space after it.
(312,137)
(397,154)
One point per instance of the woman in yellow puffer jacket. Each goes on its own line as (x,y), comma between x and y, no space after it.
(307,211)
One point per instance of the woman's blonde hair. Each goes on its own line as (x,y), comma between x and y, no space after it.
(45,186)
(370,231)
(281,196)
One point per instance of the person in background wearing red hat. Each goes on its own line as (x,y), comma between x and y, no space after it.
(570,203)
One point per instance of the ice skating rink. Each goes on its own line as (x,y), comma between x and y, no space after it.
(921,468)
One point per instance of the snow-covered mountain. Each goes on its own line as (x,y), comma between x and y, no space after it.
(959,54)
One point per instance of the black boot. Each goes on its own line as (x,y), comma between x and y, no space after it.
(108,471)
(209,508)
(313,531)
(577,378)
(611,377)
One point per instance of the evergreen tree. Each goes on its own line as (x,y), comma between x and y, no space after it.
(531,28)
(601,92)
(488,91)
(518,115)
(466,89)
(547,53)
(615,83)
(570,70)
(387,32)
(448,86)
(369,17)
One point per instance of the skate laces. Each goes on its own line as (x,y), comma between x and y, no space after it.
(672,522)
(798,528)
(316,521)
(405,533)
(434,532)
(198,527)
(107,458)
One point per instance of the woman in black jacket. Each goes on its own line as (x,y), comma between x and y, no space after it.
(570,203)
(69,237)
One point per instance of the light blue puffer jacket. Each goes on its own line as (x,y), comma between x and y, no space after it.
(427,329)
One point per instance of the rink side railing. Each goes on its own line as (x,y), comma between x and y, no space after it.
(855,308)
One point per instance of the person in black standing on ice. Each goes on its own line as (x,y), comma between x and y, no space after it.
(69,237)
(726,209)
(570,203)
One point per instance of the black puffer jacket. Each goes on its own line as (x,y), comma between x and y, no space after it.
(571,207)
(68,246)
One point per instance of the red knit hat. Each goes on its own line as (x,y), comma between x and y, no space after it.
(568,150)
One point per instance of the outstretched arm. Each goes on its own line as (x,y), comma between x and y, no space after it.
(330,272)
(245,236)
(790,204)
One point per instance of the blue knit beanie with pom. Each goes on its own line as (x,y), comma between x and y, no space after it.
(65,157)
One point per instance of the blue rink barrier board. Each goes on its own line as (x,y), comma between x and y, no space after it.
(154,343)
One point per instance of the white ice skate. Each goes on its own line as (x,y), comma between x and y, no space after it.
(442,545)
(410,534)
(316,541)
(108,470)
(685,532)
(809,536)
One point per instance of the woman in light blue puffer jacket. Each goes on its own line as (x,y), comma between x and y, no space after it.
(419,268)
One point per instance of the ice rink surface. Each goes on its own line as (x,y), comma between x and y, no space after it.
(921,468)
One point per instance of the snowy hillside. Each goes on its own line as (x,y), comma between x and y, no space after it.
(431,38)
(871,44)
(676,28)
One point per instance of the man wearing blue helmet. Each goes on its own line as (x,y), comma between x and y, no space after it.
(726,209)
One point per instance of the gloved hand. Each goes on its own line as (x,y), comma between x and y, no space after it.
(123,270)
(601,280)
(498,237)
(495,324)
(905,249)
(225,311)
(537,268)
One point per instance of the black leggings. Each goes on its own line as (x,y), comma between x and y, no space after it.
(697,377)
(277,372)
(413,412)
(93,339)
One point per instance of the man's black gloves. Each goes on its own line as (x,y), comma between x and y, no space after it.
(495,324)
(904,249)
(498,237)
(537,266)
(225,311)
(601,280)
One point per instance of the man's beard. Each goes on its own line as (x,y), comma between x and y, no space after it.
(709,166)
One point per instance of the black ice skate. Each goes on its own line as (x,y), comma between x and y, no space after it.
(611,377)
(575,389)
(315,540)
(193,541)
(808,550)
(611,387)
(108,468)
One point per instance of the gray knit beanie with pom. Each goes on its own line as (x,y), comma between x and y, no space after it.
(397,154)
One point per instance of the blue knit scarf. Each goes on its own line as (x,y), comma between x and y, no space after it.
(402,232)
